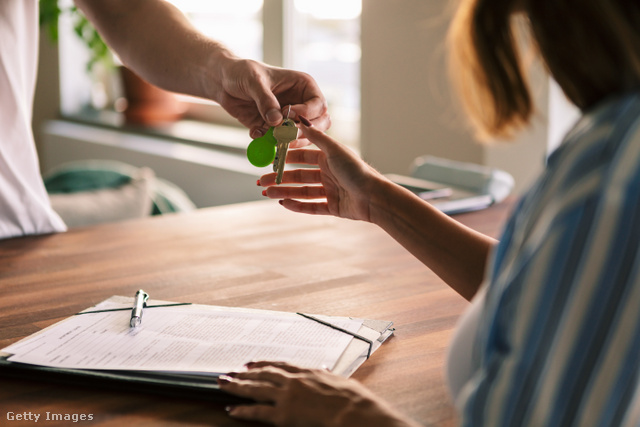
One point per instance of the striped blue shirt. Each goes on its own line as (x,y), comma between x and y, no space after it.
(559,339)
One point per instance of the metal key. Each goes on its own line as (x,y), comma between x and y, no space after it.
(284,134)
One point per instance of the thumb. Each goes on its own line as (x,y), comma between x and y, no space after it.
(266,102)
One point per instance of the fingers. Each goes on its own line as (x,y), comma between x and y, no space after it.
(257,132)
(304,156)
(259,127)
(301,193)
(322,123)
(264,413)
(314,107)
(261,376)
(296,192)
(300,176)
(261,383)
(260,391)
(316,135)
(281,365)
(296,176)
(267,103)
(297,396)
(299,143)
(309,208)
(307,93)
(303,93)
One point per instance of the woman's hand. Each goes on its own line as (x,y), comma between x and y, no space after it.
(342,181)
(259,96)
(290,396)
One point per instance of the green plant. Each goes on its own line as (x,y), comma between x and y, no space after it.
(50,13)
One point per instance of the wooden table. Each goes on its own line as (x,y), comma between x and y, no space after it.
(250,255)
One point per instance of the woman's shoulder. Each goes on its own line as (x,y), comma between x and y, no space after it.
(593,177)
(600,152)
(614,119)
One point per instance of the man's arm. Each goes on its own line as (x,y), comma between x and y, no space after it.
(155,39)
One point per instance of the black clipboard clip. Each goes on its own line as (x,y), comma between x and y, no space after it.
(338,328)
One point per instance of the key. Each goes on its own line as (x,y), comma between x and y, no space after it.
(284,134)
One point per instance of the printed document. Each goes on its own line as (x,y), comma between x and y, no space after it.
(185,339)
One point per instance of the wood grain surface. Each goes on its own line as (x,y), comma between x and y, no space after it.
(254,255)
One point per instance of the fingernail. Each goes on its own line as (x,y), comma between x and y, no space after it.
(250,364)
(264,193)
(274,116)
(258,183)
(305,121)
(257,133)
(224,379)
(228,409)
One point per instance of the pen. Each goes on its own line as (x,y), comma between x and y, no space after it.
(139,303)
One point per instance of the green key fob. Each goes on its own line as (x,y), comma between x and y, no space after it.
(262,151)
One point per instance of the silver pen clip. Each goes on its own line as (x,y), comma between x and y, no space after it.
(139,303)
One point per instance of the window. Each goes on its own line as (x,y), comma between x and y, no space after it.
(325,42)
(321,38)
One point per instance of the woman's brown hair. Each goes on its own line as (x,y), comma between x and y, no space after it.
(591,47)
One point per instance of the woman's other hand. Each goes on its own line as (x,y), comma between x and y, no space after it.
(290,396)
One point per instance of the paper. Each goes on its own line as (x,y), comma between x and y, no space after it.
(192,338)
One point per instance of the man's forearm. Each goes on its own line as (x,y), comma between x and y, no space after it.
(156,40)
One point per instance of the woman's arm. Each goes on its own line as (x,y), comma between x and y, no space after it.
(349,188)
(155,39)
(455,252)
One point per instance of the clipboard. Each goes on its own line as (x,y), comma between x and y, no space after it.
(455,187)
(184,385)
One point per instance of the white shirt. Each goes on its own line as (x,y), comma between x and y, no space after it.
(461,363)
(24,203)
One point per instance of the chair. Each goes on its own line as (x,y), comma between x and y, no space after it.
(95,191)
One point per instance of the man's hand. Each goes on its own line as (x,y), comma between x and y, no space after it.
(259,96)
(157,41)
